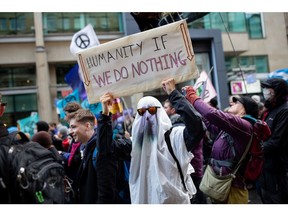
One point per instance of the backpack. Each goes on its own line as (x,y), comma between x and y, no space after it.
(32,174)
(261,132)
(254,159)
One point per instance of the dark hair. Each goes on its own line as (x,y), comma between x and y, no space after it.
(42,126)
(213,102)
(72,107)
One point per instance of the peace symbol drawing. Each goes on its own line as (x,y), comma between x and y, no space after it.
(82,41)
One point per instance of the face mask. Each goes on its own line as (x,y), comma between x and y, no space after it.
(267,94)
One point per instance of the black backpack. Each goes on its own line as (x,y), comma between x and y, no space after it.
(30,173)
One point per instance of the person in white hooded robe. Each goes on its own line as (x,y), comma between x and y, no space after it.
(154,176)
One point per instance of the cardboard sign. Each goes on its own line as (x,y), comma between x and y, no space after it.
(139,62)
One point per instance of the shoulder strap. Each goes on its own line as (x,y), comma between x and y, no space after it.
(244,154)
(167,139)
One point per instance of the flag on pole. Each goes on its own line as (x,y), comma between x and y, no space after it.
(281,73)
(116,106)
(94,108)
(73,79)
(83,39)
(28,124)
(204,87)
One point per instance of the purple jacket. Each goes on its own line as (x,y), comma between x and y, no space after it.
(230,127)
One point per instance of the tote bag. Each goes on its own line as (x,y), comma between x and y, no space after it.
(214,186)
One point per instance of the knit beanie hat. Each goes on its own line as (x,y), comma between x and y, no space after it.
(43,138)
(251,107)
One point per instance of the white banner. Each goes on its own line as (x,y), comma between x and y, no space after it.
(139,62)
(83,39)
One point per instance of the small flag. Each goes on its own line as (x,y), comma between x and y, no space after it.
(204,87)
(83,39)
(281,73)
(73,79)
(116,106)
(28,124)
(94,108)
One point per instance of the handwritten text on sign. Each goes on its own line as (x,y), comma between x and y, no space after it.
(139,62)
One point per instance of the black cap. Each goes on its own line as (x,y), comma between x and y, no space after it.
(251,107)
(280,86)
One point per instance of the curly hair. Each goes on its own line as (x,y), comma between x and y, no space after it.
(72,107)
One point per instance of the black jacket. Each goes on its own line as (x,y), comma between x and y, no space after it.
(194,128)
(274,176)
(98,184)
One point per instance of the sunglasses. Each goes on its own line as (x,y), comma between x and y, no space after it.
(3,103)
(152,110)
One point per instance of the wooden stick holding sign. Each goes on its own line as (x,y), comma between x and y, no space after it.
(139,62)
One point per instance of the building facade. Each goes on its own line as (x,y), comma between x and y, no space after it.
(35,54)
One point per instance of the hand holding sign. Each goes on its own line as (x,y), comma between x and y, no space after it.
(169,85)
(106,100)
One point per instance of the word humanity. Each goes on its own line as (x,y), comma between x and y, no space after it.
(120,53)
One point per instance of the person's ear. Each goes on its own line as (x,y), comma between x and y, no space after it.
(173,110)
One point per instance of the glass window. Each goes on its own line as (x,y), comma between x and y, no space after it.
(66,24)
(18,107)
(237,22)
(12,22)
(50,22)
(254,25)
(216,20)
(71,22)
(6,79)
(61,71)
(25,103)
(17,77)
(261,63)
(16,23)
(77,25)
(234,21)
(3,24)
(203,62)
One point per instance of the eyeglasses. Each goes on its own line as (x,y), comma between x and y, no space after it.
(3,104)
(152,110)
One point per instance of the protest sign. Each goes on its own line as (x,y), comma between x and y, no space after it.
(139,62)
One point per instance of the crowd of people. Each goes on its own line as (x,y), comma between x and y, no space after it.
(163,157)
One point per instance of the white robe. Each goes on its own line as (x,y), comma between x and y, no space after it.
(154,176)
